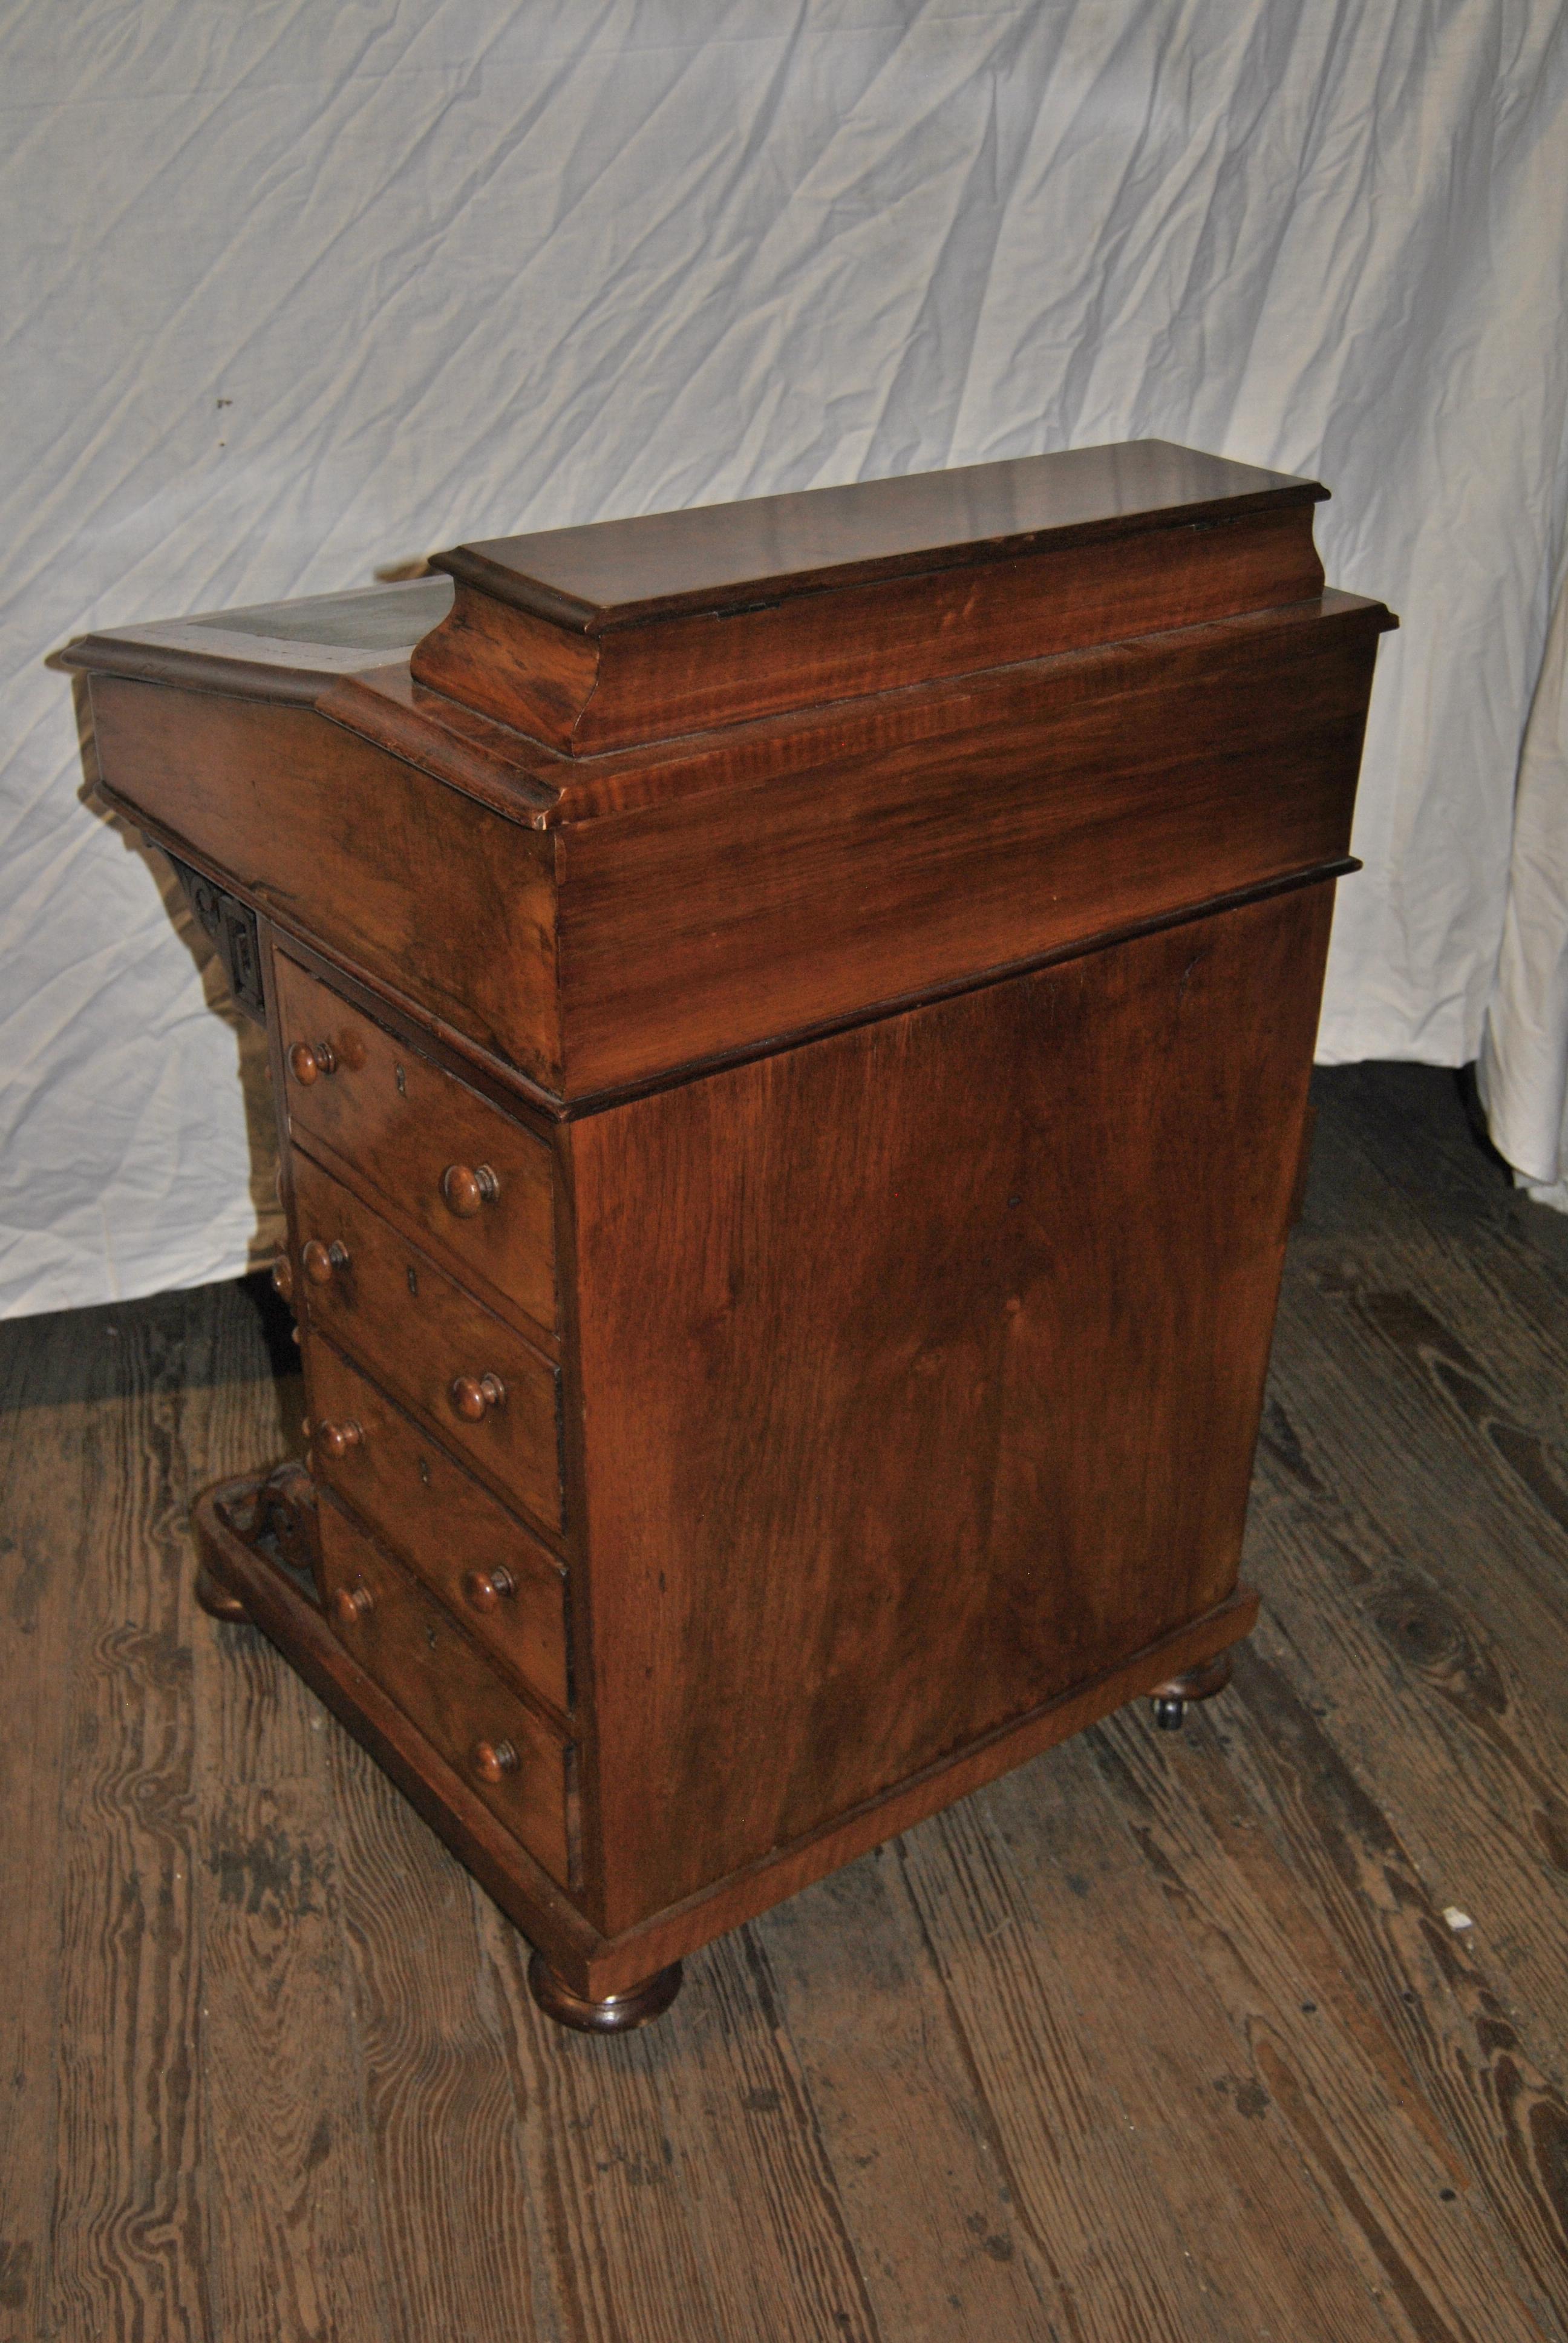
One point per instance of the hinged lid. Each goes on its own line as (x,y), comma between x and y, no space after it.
(626,631)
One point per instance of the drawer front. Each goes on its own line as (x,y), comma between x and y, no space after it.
(488,1391)
(508,1590)
(402,1637)
(446,1160)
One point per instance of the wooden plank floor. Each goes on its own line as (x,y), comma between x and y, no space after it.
(1165,2038)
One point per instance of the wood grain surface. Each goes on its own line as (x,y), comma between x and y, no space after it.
(650,681)
(1160,2036)
(931,836)
(394,1312)
(921,1369)
(329,833)
(388,1117)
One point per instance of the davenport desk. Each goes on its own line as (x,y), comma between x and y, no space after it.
(791,1024)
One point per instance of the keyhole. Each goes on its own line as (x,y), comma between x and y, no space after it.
(402,1082)
(413,1279)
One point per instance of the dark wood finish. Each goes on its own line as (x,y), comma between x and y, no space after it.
(441,1521)
(1201,1682)
(387,1303)
(439,1159)
(432,894)
(828,1171)
(618,2013)
(619,685)
(1043,807)
(445,1792)
(216,1600)
(713,558)
(516,1764)
(1172,1697)
(928,1251)
(231,927)
(1192,1993)
(705,898)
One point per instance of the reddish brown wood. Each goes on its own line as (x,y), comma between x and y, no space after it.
(645,680)
(427,891)
(1043,807)
(438,1158)
(1171,1698)
(830,1171)
(617,2013)
(387,1303)
(594,1965)
(336,1440)
(216,1600)
(973,1310)
(722,557)
(438,1519)
(426,1664)
(1201,1682)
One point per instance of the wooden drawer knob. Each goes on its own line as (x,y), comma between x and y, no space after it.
(337,1439)
(484,1589)
(351,1606)
(307,1063)
(494,1760)
(318,1261)
(283,1277)
(463,1191)
(473,1396)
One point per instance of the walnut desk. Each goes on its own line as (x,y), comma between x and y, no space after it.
(791,1024)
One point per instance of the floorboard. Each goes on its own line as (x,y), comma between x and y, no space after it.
(1260,2031)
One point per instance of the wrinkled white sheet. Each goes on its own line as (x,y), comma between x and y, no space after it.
(296,288)
(1523,1067)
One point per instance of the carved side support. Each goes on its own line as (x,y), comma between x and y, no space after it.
(232,929)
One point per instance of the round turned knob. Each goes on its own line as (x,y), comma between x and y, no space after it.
(283,1277)
(337,1439)
(463,1191)
(306,1064)
(473,1396)
(483,1589)
(494,1760)
(318,1261)
(351,1604)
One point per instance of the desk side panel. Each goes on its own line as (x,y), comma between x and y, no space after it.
(1044,806)
(414,883)
(920,1370)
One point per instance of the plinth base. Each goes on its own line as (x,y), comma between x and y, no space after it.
(254,1543)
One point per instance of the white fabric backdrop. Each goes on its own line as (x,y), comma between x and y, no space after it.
(297,288)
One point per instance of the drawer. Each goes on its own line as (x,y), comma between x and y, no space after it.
(508,1590)
(445,1160)
(488,1393)
(423,1661)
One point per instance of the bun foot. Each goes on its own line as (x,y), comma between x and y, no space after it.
(616,2014)
(215,1599)
(1201,1682)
